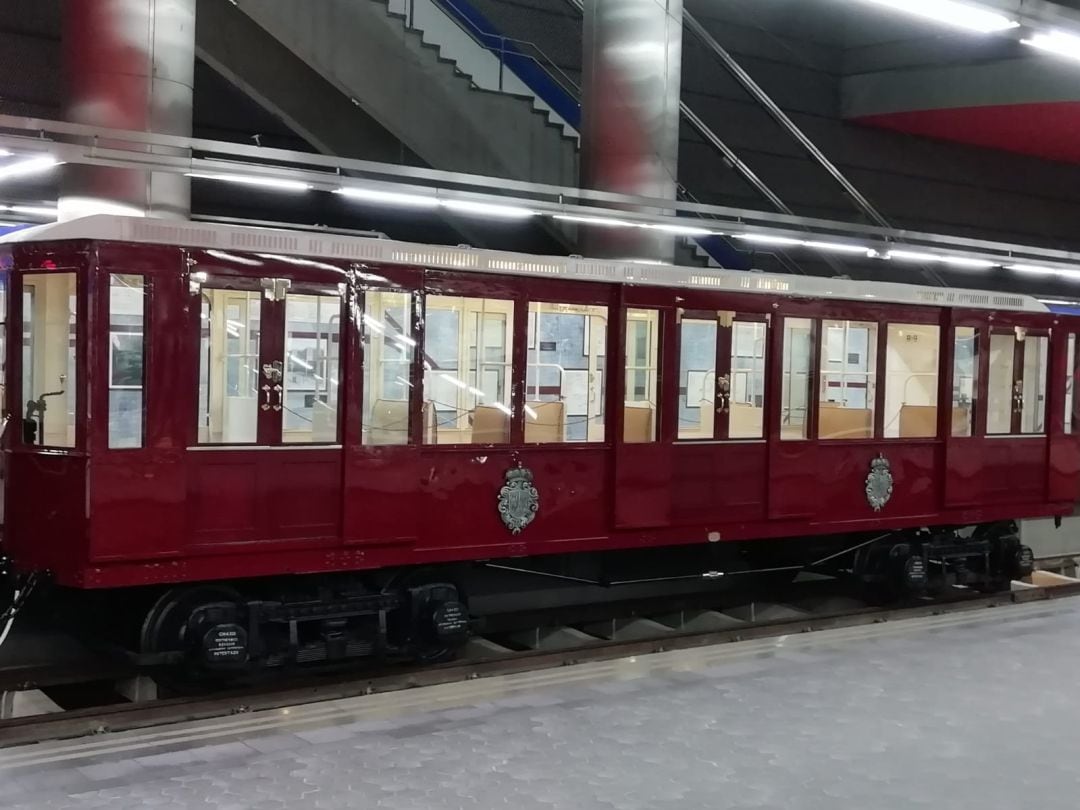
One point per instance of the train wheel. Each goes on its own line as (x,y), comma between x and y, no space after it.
(165,630)
(434,623)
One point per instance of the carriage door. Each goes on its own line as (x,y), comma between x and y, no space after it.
(721,423)
(266,454)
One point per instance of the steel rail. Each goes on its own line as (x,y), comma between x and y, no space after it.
(126,717)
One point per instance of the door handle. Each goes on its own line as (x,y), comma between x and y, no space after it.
(266,398)
(277,390)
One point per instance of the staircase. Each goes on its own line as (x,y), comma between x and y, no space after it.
(419,93)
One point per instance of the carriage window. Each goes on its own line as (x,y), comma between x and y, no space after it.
(127,312)
(1033,406)
(642,375)
(1070,383)
(468,344)
(746,392)
(965,383)
(848,380)
(1000,394)
(388,355)
(312,366)
(49,362)
(697,378)
(911,381)
(229,367)
(795,394)
(566,373)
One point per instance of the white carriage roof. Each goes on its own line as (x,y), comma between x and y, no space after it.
(315,245)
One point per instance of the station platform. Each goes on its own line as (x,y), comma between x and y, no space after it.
(962,710)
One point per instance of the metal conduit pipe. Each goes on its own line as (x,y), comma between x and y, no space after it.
(763,98)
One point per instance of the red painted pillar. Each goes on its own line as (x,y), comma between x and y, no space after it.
(630,113)
(128,64)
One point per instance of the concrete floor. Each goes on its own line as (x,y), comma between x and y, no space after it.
(978,711)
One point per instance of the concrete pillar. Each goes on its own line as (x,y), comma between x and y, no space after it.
(128,64)
(630,113)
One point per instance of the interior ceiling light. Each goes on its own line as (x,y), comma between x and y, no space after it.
(950,12)
(1056,42)
(388,197)
(252,180)
(487,209)
(32,165)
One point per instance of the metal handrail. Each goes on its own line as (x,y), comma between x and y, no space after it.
(486,39)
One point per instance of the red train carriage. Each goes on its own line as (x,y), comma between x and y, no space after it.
(205,413)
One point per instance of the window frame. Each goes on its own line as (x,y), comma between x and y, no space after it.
(145,333)
(16,328)
(725,317)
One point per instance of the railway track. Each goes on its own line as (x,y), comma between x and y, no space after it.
(98,720)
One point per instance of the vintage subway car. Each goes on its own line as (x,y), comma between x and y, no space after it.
(258,446)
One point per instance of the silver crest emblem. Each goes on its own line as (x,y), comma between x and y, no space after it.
(879,483)
(518,499)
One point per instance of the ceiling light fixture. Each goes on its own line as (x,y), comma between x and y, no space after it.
(684,230)
(604,222)
(31,210)
(274,183)
(763,239)
(388,197)
(485,209)
(950,12)
(1036,270)
(837,247)
(1056,42)
(29,166)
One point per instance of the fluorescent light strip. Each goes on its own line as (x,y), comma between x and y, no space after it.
(388,197)
(837,247)
(950,12)
(1036,270)
(604,222)
(485,209)
(683,230)
(763,239)
(957,261)
(31,210)
(274,183)
(1056,42)
(32,165)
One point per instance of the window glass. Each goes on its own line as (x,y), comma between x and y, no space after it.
(848,380)
(388,355)
(49,362)
(795,396)
(127,313)
(1070,382)
(1001,396)
(468,344)
(565,379)
(746,394)
(229,367)
(642,375)
(312,364)
(697,378)
(965,385)
(1033,407)
(912,353)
